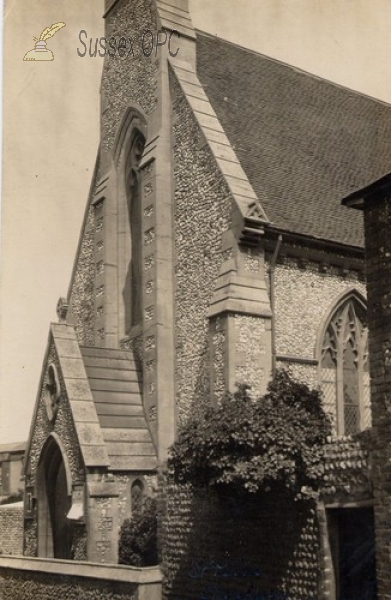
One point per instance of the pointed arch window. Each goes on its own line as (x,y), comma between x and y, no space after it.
(344,370)
(133,292)
(137,497)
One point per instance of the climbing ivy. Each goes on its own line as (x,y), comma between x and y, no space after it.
(274,442)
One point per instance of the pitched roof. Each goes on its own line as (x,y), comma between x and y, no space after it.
(304,143)
(114,381)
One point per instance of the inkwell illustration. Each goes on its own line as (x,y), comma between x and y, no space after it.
(41,52)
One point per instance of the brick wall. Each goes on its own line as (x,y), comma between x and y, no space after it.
(378,249)
(11,529)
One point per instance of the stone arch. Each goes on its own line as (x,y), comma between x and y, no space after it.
(128,150)
(133,119)
(54,496)
(351,293)
(343,371)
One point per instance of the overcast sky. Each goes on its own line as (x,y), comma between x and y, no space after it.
(50,140)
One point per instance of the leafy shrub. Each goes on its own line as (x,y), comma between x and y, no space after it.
(138,537)
(251,446)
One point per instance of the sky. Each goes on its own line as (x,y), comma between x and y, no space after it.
(51,134)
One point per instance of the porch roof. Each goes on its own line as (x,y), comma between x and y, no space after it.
(115,383)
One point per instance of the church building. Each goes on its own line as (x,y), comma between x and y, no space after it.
(214,250)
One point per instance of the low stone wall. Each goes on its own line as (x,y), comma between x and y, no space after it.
(32,578)
(11,529)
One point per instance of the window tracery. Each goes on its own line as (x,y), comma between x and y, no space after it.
(345,370)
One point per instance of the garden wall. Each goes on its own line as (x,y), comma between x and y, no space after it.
(11,529)
(32,578)
(265,548)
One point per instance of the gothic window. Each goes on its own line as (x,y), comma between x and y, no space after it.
(137,497)
(344,368)
(133,295)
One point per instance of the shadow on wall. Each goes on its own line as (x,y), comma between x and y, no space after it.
(254,548)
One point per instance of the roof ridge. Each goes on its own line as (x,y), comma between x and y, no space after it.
(293,67)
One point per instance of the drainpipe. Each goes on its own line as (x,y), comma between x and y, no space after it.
(272,270)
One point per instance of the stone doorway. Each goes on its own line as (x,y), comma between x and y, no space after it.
(54,502)
(353,549)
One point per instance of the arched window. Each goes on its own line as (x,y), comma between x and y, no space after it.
(344,371)
(133,292)
(137,497)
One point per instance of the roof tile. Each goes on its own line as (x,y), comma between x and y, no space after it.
(304,143)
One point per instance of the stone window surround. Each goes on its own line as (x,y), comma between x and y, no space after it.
(133,126)
(350,296)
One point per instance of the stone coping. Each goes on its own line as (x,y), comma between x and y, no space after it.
(136,575)
(13,505)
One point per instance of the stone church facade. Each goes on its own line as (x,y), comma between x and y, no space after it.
(214,249)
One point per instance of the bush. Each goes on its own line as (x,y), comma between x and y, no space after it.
(138,538)
(274,442)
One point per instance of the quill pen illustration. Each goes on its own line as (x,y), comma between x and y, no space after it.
(50,31)
(41,52)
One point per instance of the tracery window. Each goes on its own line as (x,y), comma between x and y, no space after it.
(344,368)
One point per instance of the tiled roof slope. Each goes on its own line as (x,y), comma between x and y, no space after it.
(114,383)
(304,143)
